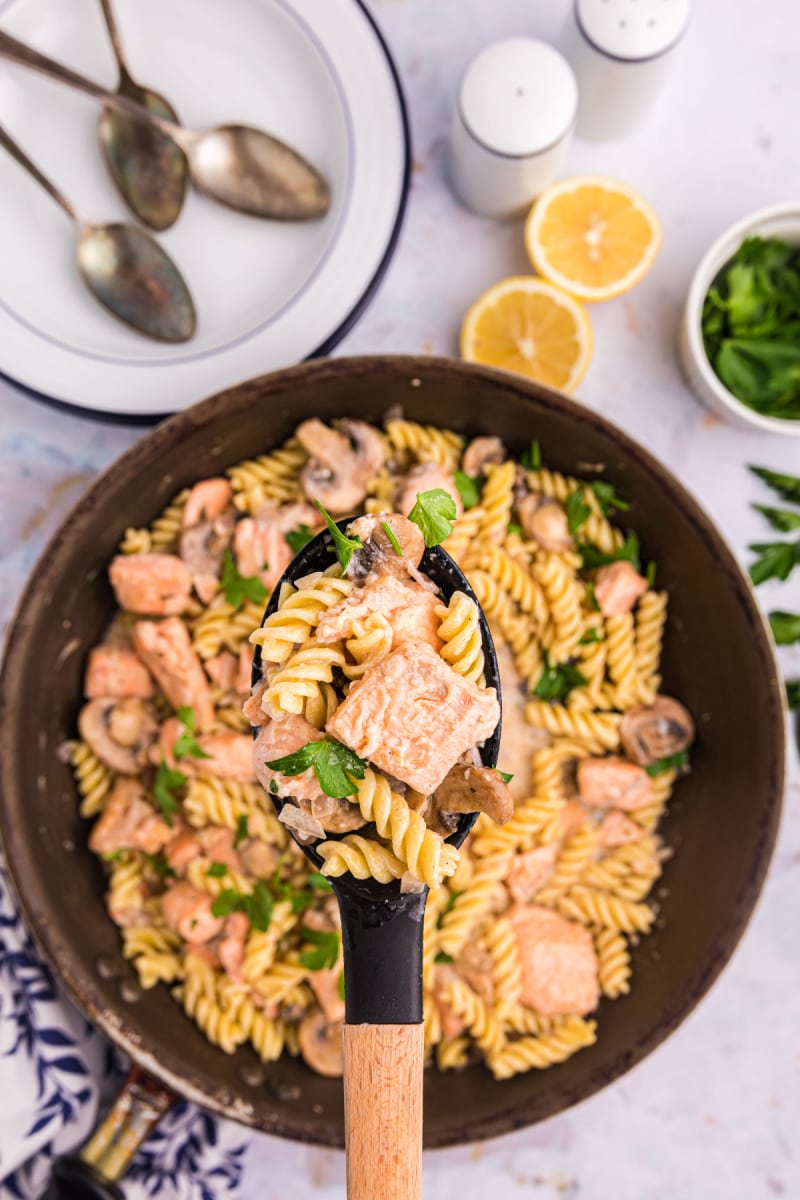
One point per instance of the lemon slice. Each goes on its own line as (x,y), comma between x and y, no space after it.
(525,325)
(592,236)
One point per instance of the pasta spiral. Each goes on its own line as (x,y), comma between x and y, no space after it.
(427,443)
(536,1053)
(93,778)
(293,622)
(274,476)
(425,853)
(651,616)
(497,498)
(460,630)
(362,857)
(299,680)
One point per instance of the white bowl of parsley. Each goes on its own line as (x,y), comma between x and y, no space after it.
(740,334)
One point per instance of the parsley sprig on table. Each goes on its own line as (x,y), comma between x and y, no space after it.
(777,560)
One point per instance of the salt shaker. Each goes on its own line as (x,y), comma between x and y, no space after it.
(514,117)
(622,51)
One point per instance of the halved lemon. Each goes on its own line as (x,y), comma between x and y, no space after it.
(525,325)
(592,236)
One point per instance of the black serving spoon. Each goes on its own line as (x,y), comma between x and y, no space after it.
(382,946)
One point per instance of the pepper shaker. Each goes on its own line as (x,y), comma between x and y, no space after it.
(513,120)
(622,51)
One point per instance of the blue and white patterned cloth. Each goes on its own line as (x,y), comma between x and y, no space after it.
(57,1072)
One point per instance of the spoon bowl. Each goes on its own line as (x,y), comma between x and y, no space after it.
(137,281)
(148,167)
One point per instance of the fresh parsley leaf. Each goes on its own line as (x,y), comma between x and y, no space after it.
(241,830)
(114,855)
(591,597)
(273,787)
(787,486)
(504,775)
(679,761)
(776,560)
(785,627)
(469,488)
(157,863)
(531,458)
(238,588)
(592,635)
(257,906)
(779,518)
(607,497)
(451,899)
(217,870)
(297,538)
(441,957)
(557,681)
(319,881)
(166,782)
(186,743)
(325,952)
(627,552)
(650,574)
(387,529)
(340,985)
(512,527)
(577,511)
(342,544)
(334,765)
(793,693)
(435,513)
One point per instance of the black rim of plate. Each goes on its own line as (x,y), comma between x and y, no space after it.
(348,321)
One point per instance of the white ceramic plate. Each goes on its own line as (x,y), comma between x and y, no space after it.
(315,73)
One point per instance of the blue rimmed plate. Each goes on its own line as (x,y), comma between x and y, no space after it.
(315,73)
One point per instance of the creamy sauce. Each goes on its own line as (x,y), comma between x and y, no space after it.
(519,741)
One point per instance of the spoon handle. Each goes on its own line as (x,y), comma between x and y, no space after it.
(383,1111)
(114,37)
(16,152)
(26,56)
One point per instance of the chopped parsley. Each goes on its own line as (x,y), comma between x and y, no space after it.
(342,544)
(504,775)
(512,527)
(167,782)
(157,863)
(593,557)
(217,870)
(297,538)
(578,512)
(441,957)
(532,457)
(257,905)
(592,635)
(387,529)
(469,488)
(434,512)
(325,950)
(607,497)
(335,766)
(238,588)
(650,574)
(187,744)
(557,681)
(242,830)
(679,762)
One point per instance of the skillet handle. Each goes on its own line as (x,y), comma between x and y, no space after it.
(383,1067)
(106,1156)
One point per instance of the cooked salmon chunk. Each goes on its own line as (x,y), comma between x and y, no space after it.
(617,830)
(413,716)
(531,871)
(129,822)
(613,783)
(187,910)
(617,588)
(558,960)
(166,650)
(156,585)
(260,544)
(115,673)
(409,608)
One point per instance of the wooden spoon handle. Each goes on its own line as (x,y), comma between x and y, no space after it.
(383,1111)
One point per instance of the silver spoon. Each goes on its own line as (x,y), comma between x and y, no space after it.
(148,168)
(241,167)
(124,268)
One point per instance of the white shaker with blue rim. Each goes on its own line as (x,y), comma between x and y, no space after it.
(622,51)
(513,120)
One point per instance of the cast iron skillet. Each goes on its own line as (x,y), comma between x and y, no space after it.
(717,658)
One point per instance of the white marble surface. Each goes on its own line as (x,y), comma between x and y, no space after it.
(715,1111)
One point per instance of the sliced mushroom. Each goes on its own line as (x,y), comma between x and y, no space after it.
(378,555)
(335,814)
(341,462)
(321,1044)
(259,858)
(119,732)
(202,548)
(474,964)
(545,521)
(655,731)
(480,452)
(468,789)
